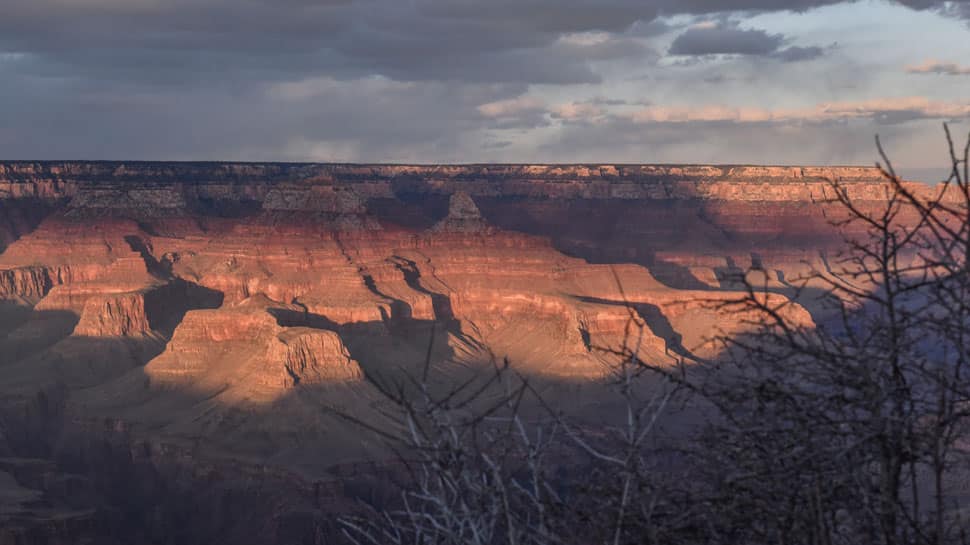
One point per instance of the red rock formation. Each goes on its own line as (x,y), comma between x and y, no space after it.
(312,239)
(223,305)
(241,352)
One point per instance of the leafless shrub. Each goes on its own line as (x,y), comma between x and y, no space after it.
(848,430)
(851,430)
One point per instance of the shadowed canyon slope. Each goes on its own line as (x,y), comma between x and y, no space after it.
(185,324)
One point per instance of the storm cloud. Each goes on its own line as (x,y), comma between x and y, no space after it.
(717,39)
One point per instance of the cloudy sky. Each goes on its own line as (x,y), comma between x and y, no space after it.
(726,81)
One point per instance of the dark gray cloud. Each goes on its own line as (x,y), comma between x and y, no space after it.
(955,9)
(952,8)
(727,40)
(174,40)
(183,41)
(797,53)
(698,7)
(544,15)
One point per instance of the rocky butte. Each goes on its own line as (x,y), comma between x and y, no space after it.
(173,334)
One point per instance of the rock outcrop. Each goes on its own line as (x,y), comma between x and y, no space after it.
(241,354)
(463,215)
(30,282)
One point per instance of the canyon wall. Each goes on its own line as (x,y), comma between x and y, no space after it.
(633,213)
(193,330)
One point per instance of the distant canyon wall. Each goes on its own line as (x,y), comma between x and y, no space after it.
(167,184)
(603,213)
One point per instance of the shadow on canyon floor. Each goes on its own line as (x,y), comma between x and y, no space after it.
(655,320)
(21,218)
(192,471)
(65,433)
(27,331)
(119,462)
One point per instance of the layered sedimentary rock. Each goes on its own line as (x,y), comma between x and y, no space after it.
(637,212)
(241,352)
(222,315)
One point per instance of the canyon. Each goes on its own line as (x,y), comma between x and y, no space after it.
(178,341)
